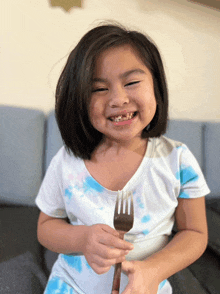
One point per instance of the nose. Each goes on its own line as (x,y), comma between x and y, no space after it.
(118,97)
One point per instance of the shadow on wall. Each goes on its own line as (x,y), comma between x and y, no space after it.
(67,5)
(190,13)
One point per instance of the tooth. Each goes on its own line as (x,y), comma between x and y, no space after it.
(123,118)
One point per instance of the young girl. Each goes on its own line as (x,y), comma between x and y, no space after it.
(111,109)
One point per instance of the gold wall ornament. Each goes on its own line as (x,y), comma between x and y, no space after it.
(66,4)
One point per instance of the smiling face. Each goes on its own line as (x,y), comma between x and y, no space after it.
(122,102)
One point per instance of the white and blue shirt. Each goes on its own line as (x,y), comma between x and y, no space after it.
(167,172)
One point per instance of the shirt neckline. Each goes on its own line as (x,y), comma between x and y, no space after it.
(148,154)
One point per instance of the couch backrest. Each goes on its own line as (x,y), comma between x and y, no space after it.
(26,150)
(53,139)
(21,153)
(189,133)
(212,157)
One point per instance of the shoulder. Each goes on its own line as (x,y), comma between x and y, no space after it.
(164,146)
(165,141)
(64,158)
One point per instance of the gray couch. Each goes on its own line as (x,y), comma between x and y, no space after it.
(28,141)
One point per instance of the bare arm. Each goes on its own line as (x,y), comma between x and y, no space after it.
(186,247)
(58,235)
(99,243)
(188,244)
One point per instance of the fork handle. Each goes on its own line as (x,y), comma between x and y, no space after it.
(117,278)
(117,273)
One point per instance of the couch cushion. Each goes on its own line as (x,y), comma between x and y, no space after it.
(206,270)
(213,219)
(21,275)
(18,227)
(49,260)
(189,133)
(213,203)
(21,154)
(212,157)
(53,139)
(184,282)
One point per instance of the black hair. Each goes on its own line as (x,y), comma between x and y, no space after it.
(74,86)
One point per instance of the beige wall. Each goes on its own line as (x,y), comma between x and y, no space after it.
(36,39)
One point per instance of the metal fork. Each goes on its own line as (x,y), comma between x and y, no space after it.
(123,222)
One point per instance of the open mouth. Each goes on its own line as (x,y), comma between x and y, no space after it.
(123,117)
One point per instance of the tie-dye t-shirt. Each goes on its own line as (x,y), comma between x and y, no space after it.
(167,172)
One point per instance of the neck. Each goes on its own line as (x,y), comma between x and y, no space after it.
(115,148)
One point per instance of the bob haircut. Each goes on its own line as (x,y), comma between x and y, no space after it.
(74,87)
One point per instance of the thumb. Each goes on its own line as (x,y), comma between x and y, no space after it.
(128,266)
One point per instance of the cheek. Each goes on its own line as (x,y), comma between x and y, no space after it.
(95,112)
(91,113)
(149,105)
(151,100)
(153,106)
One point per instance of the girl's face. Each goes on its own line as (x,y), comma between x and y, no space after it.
(122,102)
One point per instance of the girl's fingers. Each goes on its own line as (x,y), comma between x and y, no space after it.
(110,230)
(127,266)
(110,252)
(103,261)
(100,270)
(116,242)
(110,237)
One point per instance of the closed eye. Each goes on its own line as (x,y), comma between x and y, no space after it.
(99,90)
(132,83)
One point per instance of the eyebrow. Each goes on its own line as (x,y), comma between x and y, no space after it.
(123,75)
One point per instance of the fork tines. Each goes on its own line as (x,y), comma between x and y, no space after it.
(123,202)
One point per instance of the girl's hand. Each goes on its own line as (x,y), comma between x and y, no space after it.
(103,248)
(142,279)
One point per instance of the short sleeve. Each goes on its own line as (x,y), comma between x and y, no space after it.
(49,199)
(192,181)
